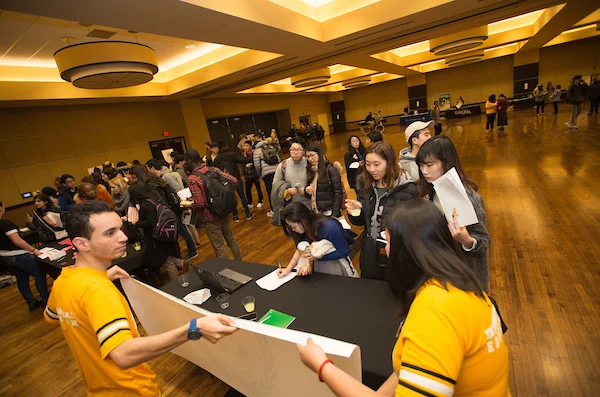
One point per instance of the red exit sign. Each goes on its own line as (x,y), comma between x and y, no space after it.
(165,133)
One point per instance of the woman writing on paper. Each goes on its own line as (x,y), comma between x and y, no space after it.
(435,158)
(451,341)
(46,219)
(320,241)
(383,185)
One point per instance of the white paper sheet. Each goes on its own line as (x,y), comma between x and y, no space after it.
(453,196)
(167,155)
(344,223)
(184,193)
(55,218)
(258,360)
(354,165)
(271,281)
(198,297)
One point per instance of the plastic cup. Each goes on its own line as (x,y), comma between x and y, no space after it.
(223,300)
(355,211)
(249,303)
(137,246)
(184,280)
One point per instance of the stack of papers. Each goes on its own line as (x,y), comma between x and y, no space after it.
(197,297)
(453,197)
(51,254)
(271,281)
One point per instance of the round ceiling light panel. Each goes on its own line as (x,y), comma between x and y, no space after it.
(360,82)
(106,64)
(311,79)
(465,59)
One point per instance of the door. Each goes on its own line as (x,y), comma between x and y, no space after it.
(162,149)
(219,132)
(304,119)
(338,112)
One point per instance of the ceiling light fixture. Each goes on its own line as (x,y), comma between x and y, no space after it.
(106,64)
(189,46)
(459,45)
(360,82)
(316,77)
(465,59)
(316,3)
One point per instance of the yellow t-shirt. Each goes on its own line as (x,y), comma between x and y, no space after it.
(451,345)
(95,318)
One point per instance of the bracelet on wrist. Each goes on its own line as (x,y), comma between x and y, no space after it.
(319,374)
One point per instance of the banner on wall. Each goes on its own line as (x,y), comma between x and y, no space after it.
(258,360)
(444,101)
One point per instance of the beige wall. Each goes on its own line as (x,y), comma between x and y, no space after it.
(390,97)
(315,105)
(475,82)
(561,62)
(38,144)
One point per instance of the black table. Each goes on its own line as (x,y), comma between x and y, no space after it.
(131,262)
(463,111)
(411,118)
(359,311)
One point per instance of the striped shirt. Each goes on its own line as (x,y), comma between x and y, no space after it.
(451,344)
(95,318)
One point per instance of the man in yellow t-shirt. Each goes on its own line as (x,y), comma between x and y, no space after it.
(95,317)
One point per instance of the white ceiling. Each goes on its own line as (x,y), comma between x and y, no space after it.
(29,40)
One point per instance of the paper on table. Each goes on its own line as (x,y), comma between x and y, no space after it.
(271,281)
(453,196)
(344,223)
(354,165)
(184,193)
(198,297)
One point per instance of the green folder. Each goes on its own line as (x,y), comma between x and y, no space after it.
(277,319)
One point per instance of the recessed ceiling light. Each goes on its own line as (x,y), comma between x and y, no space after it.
(190,46)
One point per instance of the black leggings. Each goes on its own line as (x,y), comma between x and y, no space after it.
(489,125)
(555,107)
(537,107)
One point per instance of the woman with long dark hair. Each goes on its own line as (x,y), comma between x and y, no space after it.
(383,186)
(329,249)
(41,221)
(157,253)
(490,113)
(450,342)
(435,158)
(325,182)
(355,154)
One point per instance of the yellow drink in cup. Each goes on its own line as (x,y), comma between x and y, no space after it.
(249,303)
(355,211)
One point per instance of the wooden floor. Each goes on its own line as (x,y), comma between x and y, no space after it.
(540,184)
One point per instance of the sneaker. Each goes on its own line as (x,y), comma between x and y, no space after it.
(236,218)
(574,126)
(569,124)
(250,206)
(249,216)
(543,113)
(190,257)
(34,305)
(270,214)
(259,205)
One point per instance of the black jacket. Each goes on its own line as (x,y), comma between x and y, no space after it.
(330,192)
(249,172)
(353,173)
(226,161)
(372,260)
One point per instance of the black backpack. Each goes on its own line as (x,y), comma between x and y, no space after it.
(270,154)
(173,200)
(166,228)
(220,192)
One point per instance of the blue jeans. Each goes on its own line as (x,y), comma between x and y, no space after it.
(22,266)
(240,191)
(187,237)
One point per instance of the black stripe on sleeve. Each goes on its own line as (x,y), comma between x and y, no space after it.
(416,389)
(113,334)
(426,371)
(50,310)
(109,323)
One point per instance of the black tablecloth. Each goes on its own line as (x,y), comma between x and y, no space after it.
(411,118)
(358,311)
(30,236)
(131,262)
(463,111)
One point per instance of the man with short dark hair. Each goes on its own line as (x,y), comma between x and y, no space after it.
(373,137)
(292,173)
(95,317)
(416,135)
(178,161)
(160,168)
(217,227)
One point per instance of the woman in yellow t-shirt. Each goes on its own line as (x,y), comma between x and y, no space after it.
(450,343)
(491,107)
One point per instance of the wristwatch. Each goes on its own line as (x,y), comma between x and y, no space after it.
(193,332)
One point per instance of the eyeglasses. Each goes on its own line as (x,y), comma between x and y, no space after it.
(296,150)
